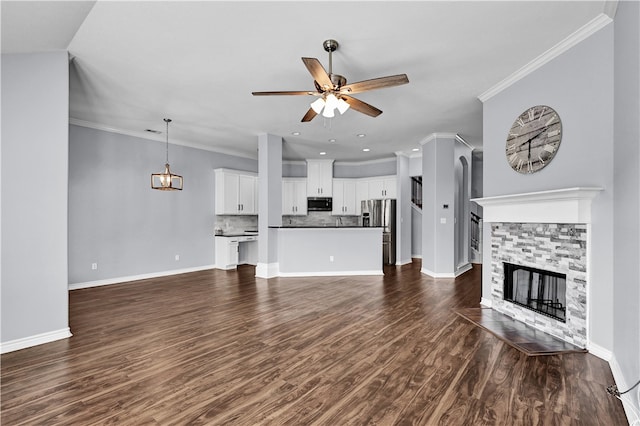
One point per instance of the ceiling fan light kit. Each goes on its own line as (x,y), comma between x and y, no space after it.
(332,90)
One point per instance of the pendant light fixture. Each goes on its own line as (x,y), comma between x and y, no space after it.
(166,181)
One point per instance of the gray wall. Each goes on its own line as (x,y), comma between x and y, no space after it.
(626,237)
(345,170)
(35,105)
(294,169)
(385,167)
(404,208)
(117,221)
(428,205)
(579,86)
(416,232)
(477,164)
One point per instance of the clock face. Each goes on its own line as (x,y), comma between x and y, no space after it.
(534,139)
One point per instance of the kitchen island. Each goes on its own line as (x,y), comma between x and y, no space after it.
(329,250)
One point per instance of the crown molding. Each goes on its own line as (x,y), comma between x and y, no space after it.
(434,136)
(610,8)
(151,136)
(454,136)
(461,140)
(573,39)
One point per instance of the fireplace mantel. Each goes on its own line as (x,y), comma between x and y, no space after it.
(568,205)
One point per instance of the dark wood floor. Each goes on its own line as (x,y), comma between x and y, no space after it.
(224,348)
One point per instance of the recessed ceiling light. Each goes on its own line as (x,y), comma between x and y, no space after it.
(415,149)
(295,133)
(361,135)
(366,149)
(323,153)
(332,140)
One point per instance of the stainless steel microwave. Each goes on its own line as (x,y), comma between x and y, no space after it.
(319,204)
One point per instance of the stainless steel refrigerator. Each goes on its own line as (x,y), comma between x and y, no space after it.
(382,213)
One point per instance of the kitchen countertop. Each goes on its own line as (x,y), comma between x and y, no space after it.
(239,234)
(324,227)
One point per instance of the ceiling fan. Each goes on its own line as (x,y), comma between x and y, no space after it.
(332,90)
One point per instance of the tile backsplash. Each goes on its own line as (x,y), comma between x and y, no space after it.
(231,224)
(319,219)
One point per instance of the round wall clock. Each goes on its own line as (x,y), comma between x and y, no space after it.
(533,139)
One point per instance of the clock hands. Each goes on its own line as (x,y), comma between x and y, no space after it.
(533,137)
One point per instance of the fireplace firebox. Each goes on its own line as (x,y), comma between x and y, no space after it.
(536,289)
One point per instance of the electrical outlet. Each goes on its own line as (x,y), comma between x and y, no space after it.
(330,258)
(177,257)
(94,266)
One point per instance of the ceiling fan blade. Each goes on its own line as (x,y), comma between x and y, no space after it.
(375,83)
(318,72)
(362,107)
(309,115)
(290,92)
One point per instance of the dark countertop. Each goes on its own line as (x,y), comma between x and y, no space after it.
(322,227)
(239,234)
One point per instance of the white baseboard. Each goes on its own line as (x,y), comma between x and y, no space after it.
(267,270)
(416,256)
(404,262)
(599,351)
(461,270)
(120,280)
(627,403)
(38,339)
(329,273)
(486,302)
(437,274)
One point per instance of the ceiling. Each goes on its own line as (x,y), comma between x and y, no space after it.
(135,63)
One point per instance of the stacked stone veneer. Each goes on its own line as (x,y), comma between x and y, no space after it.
(553,247)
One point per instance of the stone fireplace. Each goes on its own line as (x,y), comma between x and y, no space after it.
(557,248)
(545,236)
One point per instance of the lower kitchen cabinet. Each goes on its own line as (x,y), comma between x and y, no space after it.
(232,251)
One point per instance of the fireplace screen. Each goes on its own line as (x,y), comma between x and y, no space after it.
(541,291)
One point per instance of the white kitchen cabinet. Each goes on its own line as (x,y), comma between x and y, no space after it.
(382,187)
(233,251)
(294,196)
(226,253)
(344,198)
(236,192)
(319,178)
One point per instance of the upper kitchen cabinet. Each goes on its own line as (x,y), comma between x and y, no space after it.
(236,192)
(344,198)
(319,178)
(382,187)
(294,196)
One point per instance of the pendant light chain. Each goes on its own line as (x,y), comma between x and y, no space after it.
(167,120)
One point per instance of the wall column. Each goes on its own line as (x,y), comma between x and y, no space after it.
(438,209)
(35,159)
(270,203)
(403,210)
